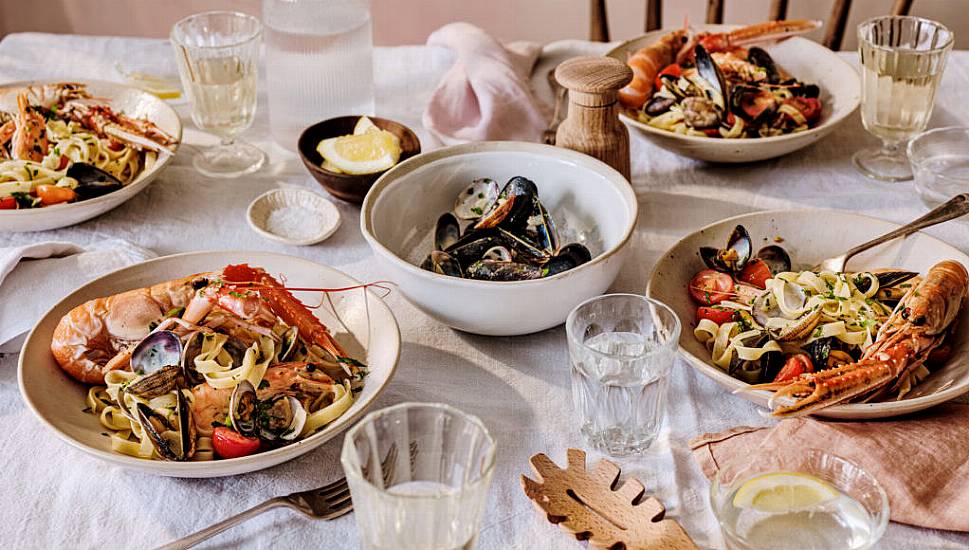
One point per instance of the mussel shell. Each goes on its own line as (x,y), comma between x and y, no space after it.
(236,350)
(446,232)
(157,350)
(819,350)
(760,57)
(571,256)
(92,181)
(805,90)
(243,405)
(186,427)
(544,233)
(442,263)
(707,70)
(476,199)
(776,258)
(752,103)
(191,348)
(288,344)
(513,207)
(658,105)
(491,270)
(498,253)
(732,258)
(522,249)
(150,420)
(157,383)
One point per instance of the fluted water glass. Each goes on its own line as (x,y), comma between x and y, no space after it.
(419,475)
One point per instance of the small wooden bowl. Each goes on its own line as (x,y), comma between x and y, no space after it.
(349,187)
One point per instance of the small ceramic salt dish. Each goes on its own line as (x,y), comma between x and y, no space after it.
(293,216)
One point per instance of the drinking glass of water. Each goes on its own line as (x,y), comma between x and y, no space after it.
(902,59)
(621,347)
(419,475)
(810,500)
(218,61)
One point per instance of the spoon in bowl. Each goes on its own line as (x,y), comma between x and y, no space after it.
(953,208)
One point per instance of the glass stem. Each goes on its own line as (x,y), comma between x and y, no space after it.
(891,149)
(227,141)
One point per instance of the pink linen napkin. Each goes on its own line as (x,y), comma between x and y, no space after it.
(921,460)
(486,94)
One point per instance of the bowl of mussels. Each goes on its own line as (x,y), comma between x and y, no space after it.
(500,238)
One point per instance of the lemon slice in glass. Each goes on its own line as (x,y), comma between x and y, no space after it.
(783,492)
(366,153)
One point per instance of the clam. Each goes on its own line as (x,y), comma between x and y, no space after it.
(491,270)
(284,419)
(569,257)
(155,426)
(288,344)
(446,232)
(92,181)
(443,264)
(159,349)
(776,258)
(157,383)
(191,348)
(732,258)
(476,199)
(513,207)
(715,85)
(243,408)
(700,113)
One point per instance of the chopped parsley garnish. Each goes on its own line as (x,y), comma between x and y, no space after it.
(351,361)
(263,384)
(477,210)
(175,312)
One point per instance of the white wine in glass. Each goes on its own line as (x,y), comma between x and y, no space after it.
(902,59)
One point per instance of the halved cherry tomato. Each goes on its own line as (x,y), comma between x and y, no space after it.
(52,194)
(756,273)
(711,132)
(229,443)
(795,366)
(115,145)
(673,69)
(8,203)
(810,107)
(717,314)
(710,287)
(62,164)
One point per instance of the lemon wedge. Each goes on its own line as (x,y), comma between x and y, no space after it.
(161,87)
(366,153)
(364,126)
(783,492)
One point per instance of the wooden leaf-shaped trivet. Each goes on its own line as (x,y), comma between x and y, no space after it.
(588,504)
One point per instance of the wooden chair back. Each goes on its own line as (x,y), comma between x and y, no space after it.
(599,24)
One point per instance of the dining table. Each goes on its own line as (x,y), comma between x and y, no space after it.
(56,496)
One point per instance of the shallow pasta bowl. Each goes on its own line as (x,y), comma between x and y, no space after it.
(370,331)
(129,100)
(804,59)
(810,236)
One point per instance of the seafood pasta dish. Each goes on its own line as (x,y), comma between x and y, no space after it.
(818,338)
(719,85)
(63,145)
(220,364)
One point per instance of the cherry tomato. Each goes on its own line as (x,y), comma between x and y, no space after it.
(8,203)
(62,164)
(229,443)
(756,273)
(115,145)
(711,132)
(710,287)
(717,314)
(795,366)
(52,194)
(673,69)
(810,107)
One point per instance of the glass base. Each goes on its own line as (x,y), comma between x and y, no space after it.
(883,165)
(230,160)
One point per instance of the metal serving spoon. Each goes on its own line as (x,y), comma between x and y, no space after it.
(956,206)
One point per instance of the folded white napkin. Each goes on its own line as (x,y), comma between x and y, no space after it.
(34,277)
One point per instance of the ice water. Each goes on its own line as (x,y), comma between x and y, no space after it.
(319,63)
(841,523)
(942,177)
(620,399)
(223,94)
(428,524)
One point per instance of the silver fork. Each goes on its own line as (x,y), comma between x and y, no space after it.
(956,206)
(327,502)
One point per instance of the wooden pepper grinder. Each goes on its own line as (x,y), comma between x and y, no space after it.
(593,126)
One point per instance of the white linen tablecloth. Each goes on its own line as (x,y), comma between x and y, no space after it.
(55,496)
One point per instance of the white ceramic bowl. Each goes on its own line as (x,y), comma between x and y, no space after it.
(58,399)
(811,236)
(134,103)
(401,209)
(806,60)
(263,206)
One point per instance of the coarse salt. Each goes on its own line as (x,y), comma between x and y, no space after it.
(294,222)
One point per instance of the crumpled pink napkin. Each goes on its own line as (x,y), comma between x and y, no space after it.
(486,94)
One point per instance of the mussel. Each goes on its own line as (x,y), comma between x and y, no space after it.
(569,257)
(752,103)
(732,258)
(92,181)
(442,263)
(759,370)
(541,228)
(155,425)
(491,270)
(476,199)
(446,232)
(522,249)
(658,105)
(159,349)
(513,207)
(714,83)
(776,258)
(760,57)
(498,253)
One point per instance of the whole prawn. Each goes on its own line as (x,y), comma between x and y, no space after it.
(29,135)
